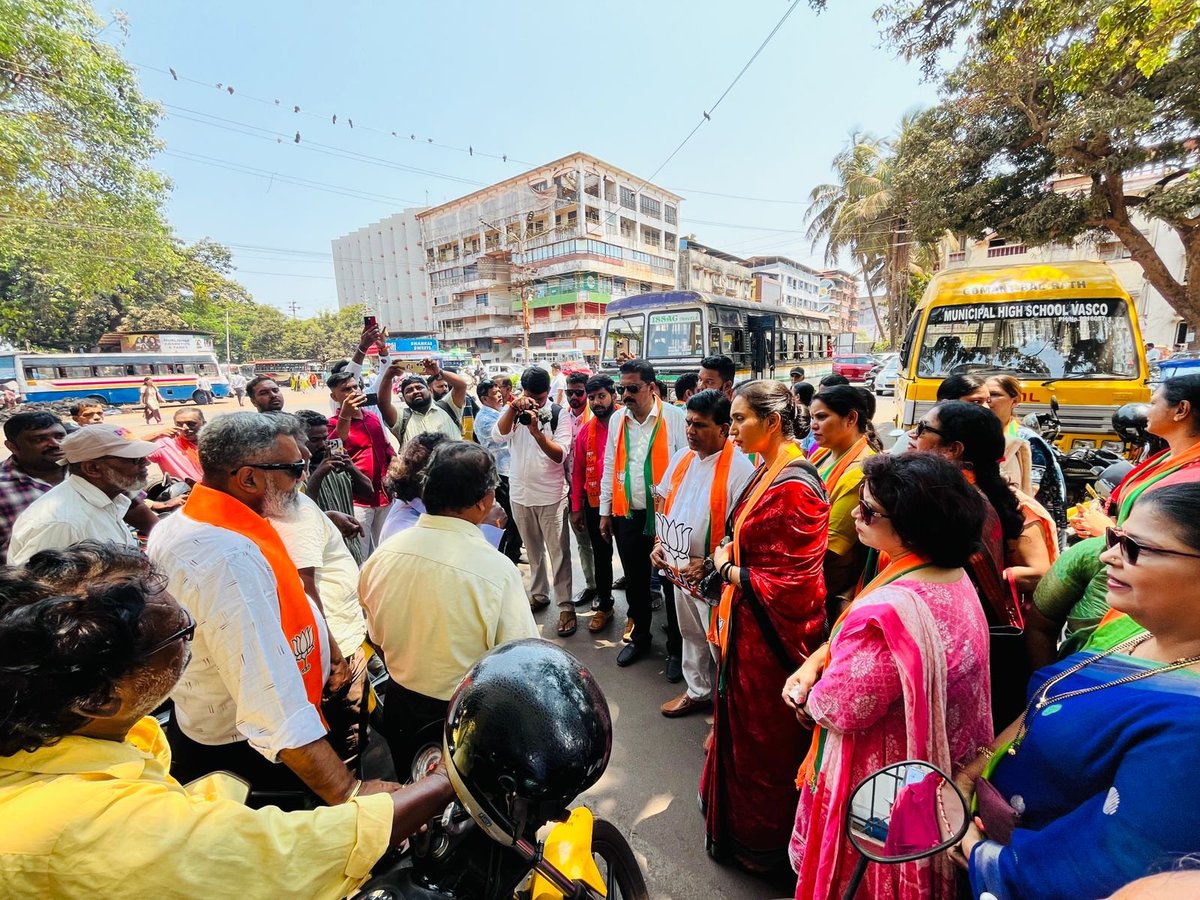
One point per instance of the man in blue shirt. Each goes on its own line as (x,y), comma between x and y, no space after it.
(490,406)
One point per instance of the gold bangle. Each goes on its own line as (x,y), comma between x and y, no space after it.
(986,752)
(354,793)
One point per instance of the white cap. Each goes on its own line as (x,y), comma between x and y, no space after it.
(95,441)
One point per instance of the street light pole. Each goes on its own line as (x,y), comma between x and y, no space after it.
(228,356)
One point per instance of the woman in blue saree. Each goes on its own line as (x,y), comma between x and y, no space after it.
(1100,770)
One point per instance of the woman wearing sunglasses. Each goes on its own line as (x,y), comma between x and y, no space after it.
(771,615)
(1103,760)
(904,675)
(90,642)
(1020,540)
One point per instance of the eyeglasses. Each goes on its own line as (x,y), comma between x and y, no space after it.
(576,393)
(868,514)
(1132,549)
(628,388)
(186,633)
(296,469)
(922,427)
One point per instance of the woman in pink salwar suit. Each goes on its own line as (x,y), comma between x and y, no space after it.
(905,675)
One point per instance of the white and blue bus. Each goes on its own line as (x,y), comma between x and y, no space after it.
(112,378)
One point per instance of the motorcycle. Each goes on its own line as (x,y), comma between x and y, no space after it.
(517,751)
(904,812)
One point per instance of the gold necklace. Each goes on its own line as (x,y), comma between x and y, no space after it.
(1041,698)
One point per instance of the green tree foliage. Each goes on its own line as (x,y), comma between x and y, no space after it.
(1049,110)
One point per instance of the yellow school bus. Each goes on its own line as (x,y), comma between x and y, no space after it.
(1067,330)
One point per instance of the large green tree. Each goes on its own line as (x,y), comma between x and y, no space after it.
(1038,91)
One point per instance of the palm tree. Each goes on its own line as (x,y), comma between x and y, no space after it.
(860,216)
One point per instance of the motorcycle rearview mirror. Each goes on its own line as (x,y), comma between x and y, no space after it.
(1054,405)
(1031,421)
(904,812)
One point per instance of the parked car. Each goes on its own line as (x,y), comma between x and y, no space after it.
(855,368)
(503,370)
(884,380)
(1178,364)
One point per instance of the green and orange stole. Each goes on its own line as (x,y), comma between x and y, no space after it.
(296,614)
(903,565)
(658,457)
(1145,476)
(718,495)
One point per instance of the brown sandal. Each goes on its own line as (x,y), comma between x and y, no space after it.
(567,623)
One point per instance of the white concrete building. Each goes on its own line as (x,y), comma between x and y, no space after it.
(799,286)
(1160,323)
(382,266)
(576,232)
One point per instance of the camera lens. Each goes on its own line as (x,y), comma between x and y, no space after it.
(524,418)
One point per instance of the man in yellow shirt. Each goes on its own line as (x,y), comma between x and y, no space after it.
(90,642)
(438,596)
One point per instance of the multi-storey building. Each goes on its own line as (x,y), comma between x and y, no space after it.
(564,238)
(838,292)
(703,268)
(799,286)
(382,267)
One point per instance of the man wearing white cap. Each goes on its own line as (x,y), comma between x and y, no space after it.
(91,502)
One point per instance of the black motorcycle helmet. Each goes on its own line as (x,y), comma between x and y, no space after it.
(1130,420)
(1111,477)
(528,730)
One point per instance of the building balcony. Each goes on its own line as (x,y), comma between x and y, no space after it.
(1007,250)
(567,323)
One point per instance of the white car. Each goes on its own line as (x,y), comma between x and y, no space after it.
(885,378)
(503,370)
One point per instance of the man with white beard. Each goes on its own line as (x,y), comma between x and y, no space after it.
(262,657)
(92,501)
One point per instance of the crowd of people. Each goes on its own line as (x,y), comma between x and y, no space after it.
(833,605)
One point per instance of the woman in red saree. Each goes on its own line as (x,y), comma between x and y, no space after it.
(904,676)
(772,613)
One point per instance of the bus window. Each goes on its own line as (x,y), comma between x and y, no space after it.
(188,369)
(714,339)
(75,372)
(34,372)
(110,371)
(674,334)
(907,345)
(624,335)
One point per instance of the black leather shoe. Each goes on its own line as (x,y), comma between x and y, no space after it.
(630,654)
(619,584)
(585,597)
(674,670)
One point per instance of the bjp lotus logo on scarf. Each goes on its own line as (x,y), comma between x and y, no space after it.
(303,645)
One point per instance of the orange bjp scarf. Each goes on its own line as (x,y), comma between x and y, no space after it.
(657,460)
(296,614)
(721,624)
(831,473)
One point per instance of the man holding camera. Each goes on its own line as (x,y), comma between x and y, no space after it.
(424,413)
(539,432)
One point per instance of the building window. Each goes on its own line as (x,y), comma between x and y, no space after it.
(538,186)
(669,241)
(481,299)
(670,215)
(651,207)
(628,198)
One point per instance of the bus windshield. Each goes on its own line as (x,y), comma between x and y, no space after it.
(675,334)
(1051,339)
(624,335)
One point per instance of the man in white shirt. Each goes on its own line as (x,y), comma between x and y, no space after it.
(650,432)
(486,417)
(423,413)
(92,501)
(538,432)
(250,697)
(691,512)
(330,578)
(237,385)
(558,384)
(438,596)
(1153,354)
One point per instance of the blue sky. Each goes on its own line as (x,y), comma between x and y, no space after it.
(622,80)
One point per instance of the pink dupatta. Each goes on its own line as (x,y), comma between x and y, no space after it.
(911,634)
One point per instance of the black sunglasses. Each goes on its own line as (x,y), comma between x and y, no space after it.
(296,469)
(922,427)
(868,514)
(576,393)
(186,633)
(628,388)
(1131,549)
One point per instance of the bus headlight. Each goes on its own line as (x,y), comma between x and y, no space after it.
(1083,444)
(1115,446)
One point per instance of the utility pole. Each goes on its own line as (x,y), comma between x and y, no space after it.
(293,306)
(228,357)
(524,280)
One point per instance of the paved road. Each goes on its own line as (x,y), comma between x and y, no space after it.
(650,788)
